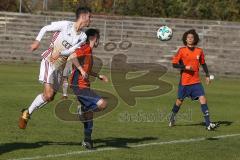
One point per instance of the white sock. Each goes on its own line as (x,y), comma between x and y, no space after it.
(65,88)
(37,103)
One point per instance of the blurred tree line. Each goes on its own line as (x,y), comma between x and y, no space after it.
(193,9)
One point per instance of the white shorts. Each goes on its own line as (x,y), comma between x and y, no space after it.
(48,74)
(68,69)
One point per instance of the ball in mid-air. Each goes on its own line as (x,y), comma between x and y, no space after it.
(164,33)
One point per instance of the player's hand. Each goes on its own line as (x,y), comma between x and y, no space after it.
(103,78)
(189,68)
(84,74)
(208,81)
(34,45)
(54,57)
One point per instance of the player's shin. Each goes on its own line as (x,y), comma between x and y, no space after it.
(88,125)
(205,112)
(172,119)
(64,88)
(87,142)
(25,116)
(37,103)
(175,110)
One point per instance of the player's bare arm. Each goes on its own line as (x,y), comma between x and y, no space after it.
(34,46)
(74,59)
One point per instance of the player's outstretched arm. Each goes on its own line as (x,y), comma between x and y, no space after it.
(54,26)
(69,51)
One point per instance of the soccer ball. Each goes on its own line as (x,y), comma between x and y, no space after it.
(164,33)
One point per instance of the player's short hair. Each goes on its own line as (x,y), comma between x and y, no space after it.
(92,32)
(82,10)
(195,35)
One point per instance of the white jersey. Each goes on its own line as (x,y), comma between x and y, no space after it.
(64,41)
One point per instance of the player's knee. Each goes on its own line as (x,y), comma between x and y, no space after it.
(48,96)
(179,102)
(102,104)
(65,84)
(65,80)
(203,100)
(88,116)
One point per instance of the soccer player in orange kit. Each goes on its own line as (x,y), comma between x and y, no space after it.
(189,59)
(89,100)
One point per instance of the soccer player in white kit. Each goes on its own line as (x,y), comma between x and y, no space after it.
(67,37)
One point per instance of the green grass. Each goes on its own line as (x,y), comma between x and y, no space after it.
(47,135)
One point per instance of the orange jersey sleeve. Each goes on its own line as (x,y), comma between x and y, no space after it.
(79,52)
(202,58)
(177,57)
(88,51)
(85,50)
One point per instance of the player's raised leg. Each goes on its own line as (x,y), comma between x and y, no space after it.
(41,100)
(90,103)
(87,118)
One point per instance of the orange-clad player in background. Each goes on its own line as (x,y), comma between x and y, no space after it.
(189,59)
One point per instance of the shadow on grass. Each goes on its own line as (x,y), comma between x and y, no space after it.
(9,147)
(225,123)
(107,142)
(212,139)
(120,142)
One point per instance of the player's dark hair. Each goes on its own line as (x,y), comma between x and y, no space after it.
(91,32)
(195,35)
(82,10)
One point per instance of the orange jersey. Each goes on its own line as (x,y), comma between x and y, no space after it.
(84,55)
(193,58)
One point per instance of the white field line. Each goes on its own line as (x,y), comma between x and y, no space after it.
(131,146)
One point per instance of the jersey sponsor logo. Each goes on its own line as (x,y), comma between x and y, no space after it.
(66,44)
(51,45)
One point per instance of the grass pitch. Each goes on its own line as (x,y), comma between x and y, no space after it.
(120,134)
